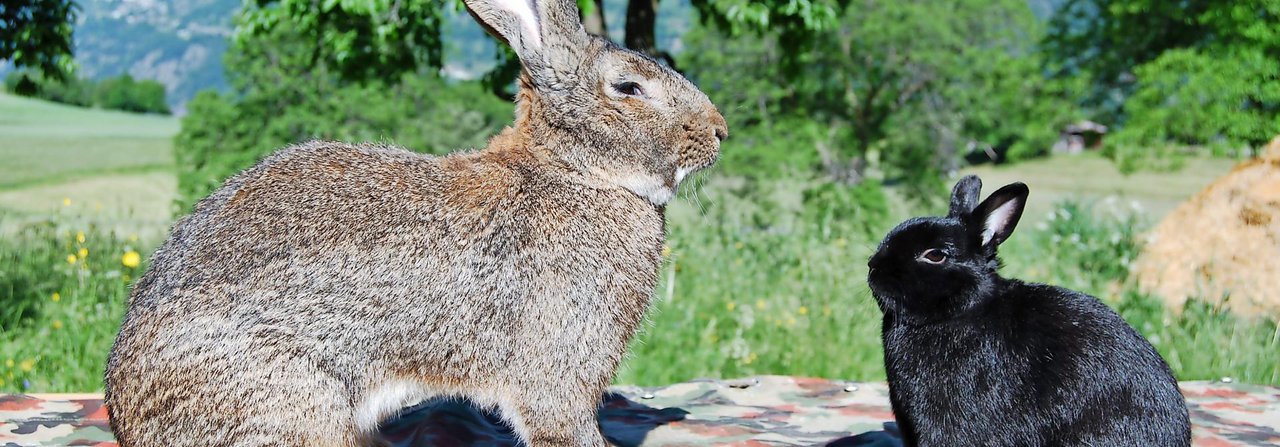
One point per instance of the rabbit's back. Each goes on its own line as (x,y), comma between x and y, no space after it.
(325,212)
(1038,365)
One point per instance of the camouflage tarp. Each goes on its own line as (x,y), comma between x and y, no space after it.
(763,411)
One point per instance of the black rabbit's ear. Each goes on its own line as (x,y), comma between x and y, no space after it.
(546,35)
(964,197)
(999,214)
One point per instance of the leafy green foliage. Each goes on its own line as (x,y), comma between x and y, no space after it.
(118,93)
(1091,247)
(124,93)
(1195,73)
(794,22)
(1188,97)
(360,39)
(67,91)
(37,34)
(282,98)
(863,207)
(895,87)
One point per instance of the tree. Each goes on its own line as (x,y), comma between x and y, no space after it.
(37,34)
(1197,73)
(361,39)
(365,40)
(906,89)
(1106,41)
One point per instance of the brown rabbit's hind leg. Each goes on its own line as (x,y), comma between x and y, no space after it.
(388,399)
(546,420)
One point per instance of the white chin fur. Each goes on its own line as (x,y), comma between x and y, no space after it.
(681,173)
(652,188)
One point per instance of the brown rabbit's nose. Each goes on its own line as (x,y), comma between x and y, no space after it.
(718,125)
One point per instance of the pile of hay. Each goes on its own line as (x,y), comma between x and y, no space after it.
(1223,244)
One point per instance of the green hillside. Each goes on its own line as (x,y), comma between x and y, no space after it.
(113,168)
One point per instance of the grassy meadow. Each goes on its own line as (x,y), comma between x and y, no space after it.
(106,168)
(757,279)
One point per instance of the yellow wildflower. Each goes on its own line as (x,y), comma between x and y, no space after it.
(804,310)
(57,324)
(731,305)
(826,311)
(791,321)
(71,259)
(760,304)
(666,251)
(66,201)
(84,252)
(8,363)
(56,297)
(80,237)
(750,358)
(27,365)
(131,259)
(841,242)
(737,246)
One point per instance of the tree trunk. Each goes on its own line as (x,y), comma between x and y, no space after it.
(642,19)
(594,20)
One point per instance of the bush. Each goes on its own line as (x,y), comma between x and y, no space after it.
(124,93)
(118,93)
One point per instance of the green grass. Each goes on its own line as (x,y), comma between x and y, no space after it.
(64,289)
(1091,176)
(69,171)
(115,169)
(20,116)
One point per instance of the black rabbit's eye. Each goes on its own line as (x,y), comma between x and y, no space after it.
(933,256)
(629,88)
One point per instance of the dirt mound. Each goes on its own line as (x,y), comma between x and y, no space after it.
(1222,244)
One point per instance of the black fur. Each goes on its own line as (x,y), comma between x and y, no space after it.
(974,359)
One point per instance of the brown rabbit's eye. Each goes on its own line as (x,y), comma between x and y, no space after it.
(629,88)
(934,256)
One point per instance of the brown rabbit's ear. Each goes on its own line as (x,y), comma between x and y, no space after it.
(546,34)
(964,197)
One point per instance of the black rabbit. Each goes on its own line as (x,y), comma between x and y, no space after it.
(977,359)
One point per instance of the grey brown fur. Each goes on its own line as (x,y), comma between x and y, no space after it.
(316,293)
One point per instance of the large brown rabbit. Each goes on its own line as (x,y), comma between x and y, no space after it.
(320,291)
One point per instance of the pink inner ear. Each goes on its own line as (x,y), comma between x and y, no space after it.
(528,16)
(997,219)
